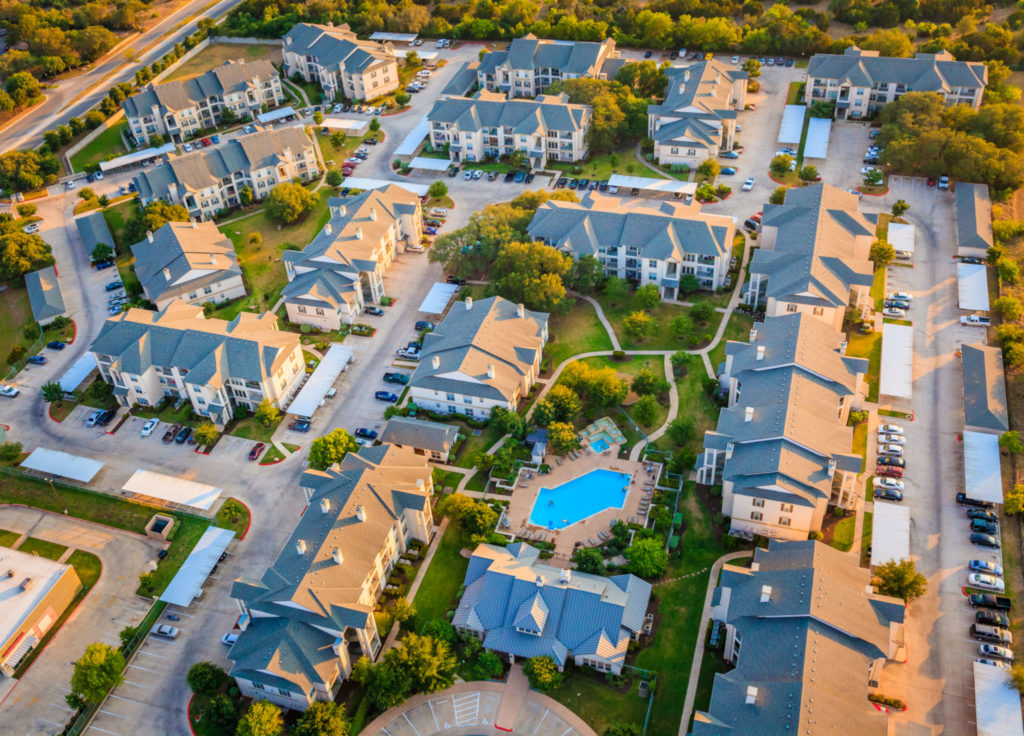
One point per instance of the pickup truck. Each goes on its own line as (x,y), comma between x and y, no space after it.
(988,600)
(976,321)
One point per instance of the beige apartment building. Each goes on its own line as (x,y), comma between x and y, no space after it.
(344,66)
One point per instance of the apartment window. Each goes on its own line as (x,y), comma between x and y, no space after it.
(302,310)
(467,399)
(756,515)
(258,686)
(450,397)
(208,290)
(785,521)
(284,692)
(675,151)
(691,151)
(787,508)
(319,312)
(790,307)
(818,311)
(757,503)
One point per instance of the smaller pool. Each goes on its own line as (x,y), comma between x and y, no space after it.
(558,507)
(600,442)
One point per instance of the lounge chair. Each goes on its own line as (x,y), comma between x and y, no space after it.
(604,535)
(592,542)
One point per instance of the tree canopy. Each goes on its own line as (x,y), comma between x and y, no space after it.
(900,579)
(287,202)
(331,448)
(151,218)
(647,557)
(97,671)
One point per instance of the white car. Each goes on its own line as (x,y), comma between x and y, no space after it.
(891,450)
(894,312)
(748,184)
(891,483)
(71,185)
(165,631)
(8,391)
(149,426)
(986,582)
(865,170)
(890,429)
(891,439)
(415,248)
(995,663)
(229,639)
(994,650)
(187,147)
(901,295)
(735,60)
(32,227)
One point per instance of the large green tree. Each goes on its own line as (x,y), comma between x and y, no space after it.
(287,202)
(151,217)
(331,448)
(900,579)
(531,274)
(97,671)
(322,718)
(543,674)
(647,558)
(262,719)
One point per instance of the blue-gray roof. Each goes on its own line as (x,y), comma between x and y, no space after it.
(335,47)
(93,230)
(183,257)
(420,433)
(44,295)
(973,217)
(230,77)
(528,117)
(924,73)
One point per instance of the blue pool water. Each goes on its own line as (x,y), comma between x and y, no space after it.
(599,445)
(558,507)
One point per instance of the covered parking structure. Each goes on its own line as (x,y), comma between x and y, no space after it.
(131,159)
(819,130)
(273,116)
(172,490)
(188,582)
(63,464)
(792,125)
(412,142)
(393,37)
(362,183)
(350,126)
(658,186)
(80,370)
(312,394)
(436,300)
(901,236)
(430,164)
(972,287)
(896,377)
(996,702)
(983,478)
(890,533)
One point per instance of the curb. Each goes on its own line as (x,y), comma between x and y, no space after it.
(49,408)
(74,332)
(873,194)
(240,538)
(188,714)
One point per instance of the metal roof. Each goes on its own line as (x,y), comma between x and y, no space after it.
(278,114)
(972,287)
(901,236)
(385,36)
(996,702)
(137,157)
(359,126)
(792,124)
(307,401)
(187,584)
(437,298)
(363,183)
(430,164)
(78,372)
(819,131)
(982,476)
(897,372)
(55,462)
(172,488)
(973,220)
(890,533)
(412,140)
(669,186)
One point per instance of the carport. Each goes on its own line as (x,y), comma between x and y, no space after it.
(996,702)
(982,476)
(901,236)
(792,124)
(130,159)
(658,186)
(890,533)
(362,183)
(80,370)
(819,130)
(188,583)
(430,164)
(972,287)
(274,115)
(438,297)
(352,127)
(411,143)
(394,37)
(172,490)
(896,377)
(66,465)
(311,396)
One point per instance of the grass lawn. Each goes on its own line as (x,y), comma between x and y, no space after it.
(106,145)
(216,54)
(8,538)
(596,701)
(79,504)
(273,455)
(865,539)
(867,346)
(710,665)
(842,534)
(442,478)
(860,439)
(252,428)
(663,337)
(632,367)
(15,316)
(602,167)
(189,530)
(473,444)
(738,329)
(575,331)
(877,292)
(41,547)
(167,414)
(233,514)
(793,95)
(117,216)
(441,582)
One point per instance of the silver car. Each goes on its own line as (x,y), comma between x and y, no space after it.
(891,450)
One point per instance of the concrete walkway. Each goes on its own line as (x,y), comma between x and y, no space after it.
(411,595)
(698,651)
(673,411)
(604,321)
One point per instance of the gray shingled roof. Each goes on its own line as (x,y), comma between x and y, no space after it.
(92,228)
(231,77)
(462,80)
(973,216)
(984,388)
(44,294)
(183,257)
(419,433)
(923,73)
(521,116)
(697,97)
(570,57)
(334,47)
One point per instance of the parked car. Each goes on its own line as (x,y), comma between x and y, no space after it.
(896,485)
(890,450)
(430,230)
(890,429)
(386,396)
(366,434)
(106,417)
(902,295)
(409,352)
(894,313)
(183,434)
(749,184)
(994,634)
(888,494)
(985,527)
(988,600)
(424,325)
(256,451)
(458,281)
(375,311)
(894,461)
(229,639)
(982,514)
(892,439)
(992,618)
(897,303)
(986,582)
(994,663)
(56,345)
(984,540)
(889,471)
(728,171)
(8,392)
(964,500)
(37,360)
(164,631)
(989,568)
(32,227)
(994,650)
(149,426)
(399,378)
(943,182)
(169,434)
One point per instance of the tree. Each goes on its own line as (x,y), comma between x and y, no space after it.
(899,208)
(778,196)
(287,202)
(888,42)
(562,438)
(430,663)
(52,392)
(647,557)
(638,325)
(702,311)
(205,678)
(752,67)
(262,719)
(874,177)
(471,516)
(437,189)
(21,253)
(27,210)
(808,173)
(586,275)
(101,252)
(644,78)
(331,448)
(615,289)
(402,610)
(646,410)
(267,412)
(530,274)
(682,430)
(322,718)
(624,729)
(22,87)
(97,671)
(1013,501)
(781,164)
(223,712)
(648,297)
(206,434)
(86,193)
(688,284)
(1008,270)
(335,178)
(881,253)
(508,422)
(1011,442)
(900,579)
(647,382)
(543,674)
(682,326)
(589,560)
(150,218)
(375,124)
(1009,307)
(564,402)
(245,196)
(709,168)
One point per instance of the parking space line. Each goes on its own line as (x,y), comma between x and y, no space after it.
(144,669)
(153,655)
(108,713)
(127,700)
(61,707)
(129,682)
(58,725)
(103,730)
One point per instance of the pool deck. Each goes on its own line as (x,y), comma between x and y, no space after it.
(582,531)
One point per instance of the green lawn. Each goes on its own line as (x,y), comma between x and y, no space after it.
(166,413)
(738,329)
(441,582)
(694,402)
(106,145)
(632,367)
(233,514)
(878,289)
(117,217)
(41,547)
(190,529)
(842,534)
(575,331)
(15,317)
(867,346)
(443,478)
(251,428)
(599,703)
(860,439)
(663,337)
(217,54)
(8,538)
(865,539)
(602,167)
(473,444)
(87,565)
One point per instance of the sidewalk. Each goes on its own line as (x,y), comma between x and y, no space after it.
(411,595)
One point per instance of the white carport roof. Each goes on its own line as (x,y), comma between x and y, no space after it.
(173,489)
(983,479)
(55,462)
(972,287)
(890,533)
(412,141)
(996,702)
(78,372)
(897,371)
(438,297)
(307,401)
(818,132)
(901,236)
(650,184)
(430,164)
(792,124)
(278,114)
(386,36)
(345,124)
(359,182)
(136,158)
(189,581)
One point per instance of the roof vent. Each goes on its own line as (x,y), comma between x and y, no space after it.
(373,214)
(26,584)
(167,274)
(490,370)
(469,303)
(436,362)
(753,335)
(361,513)
(751,694)
(766,593)
(728,450)
(760,352)
(520,311)
(748,414)
(540,581)
(325,505)
(328,229)
(195,223)
(755,566)
(149,235)
(419,484)
(565,577)
(336,555)
(300,547)
(359,233)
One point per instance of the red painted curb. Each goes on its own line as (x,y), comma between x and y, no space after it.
(74,333)
(250,519)
(188,713)
(870,194)
(49,408)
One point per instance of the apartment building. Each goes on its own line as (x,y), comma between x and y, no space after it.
(642,241)
(191,261)
(178,110)
(861,82)
(332,279)
(309,617)
(808,641)
(482,354)
(489,126)
(211,179)
(333,57)
(813,256)
(215,364)
(530,64)
(697,120)
(782,450)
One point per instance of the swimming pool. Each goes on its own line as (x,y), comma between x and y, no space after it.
(600,442)
(558,507)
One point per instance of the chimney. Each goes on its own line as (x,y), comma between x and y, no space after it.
(520,311)
(328,229)
(540,581)
(469,303)
(149,235)
(436,362)
(748,414)
(300,547)
(751,695)
(325,505)
(359,233)
(373,214)
(361,513)
(167,274)
(565,577)
(766,593)
(490,370)
(336,555)
(760,352)
(419,484)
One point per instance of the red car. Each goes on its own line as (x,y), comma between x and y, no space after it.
(206,142)
(889,471)
(256,451)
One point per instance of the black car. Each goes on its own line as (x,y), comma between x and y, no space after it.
(375,311)
(453,172)
(972,260)
(369,141)
(509,176)
(562,182)
(603,186)
(985,527)
(399,378)
(648,54)
(182,435)
(897,462)
(424,325)
(115,285)
(982,514)
(458,281)
(897,303)
(984,540)
(169,434)
(789,62)
(386,396)
(964,500)
(889,494)
(529,177)
(56,345)
(992,618)
(106,417)
(299,425)
(989,600)
(583,184)
(366,434)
